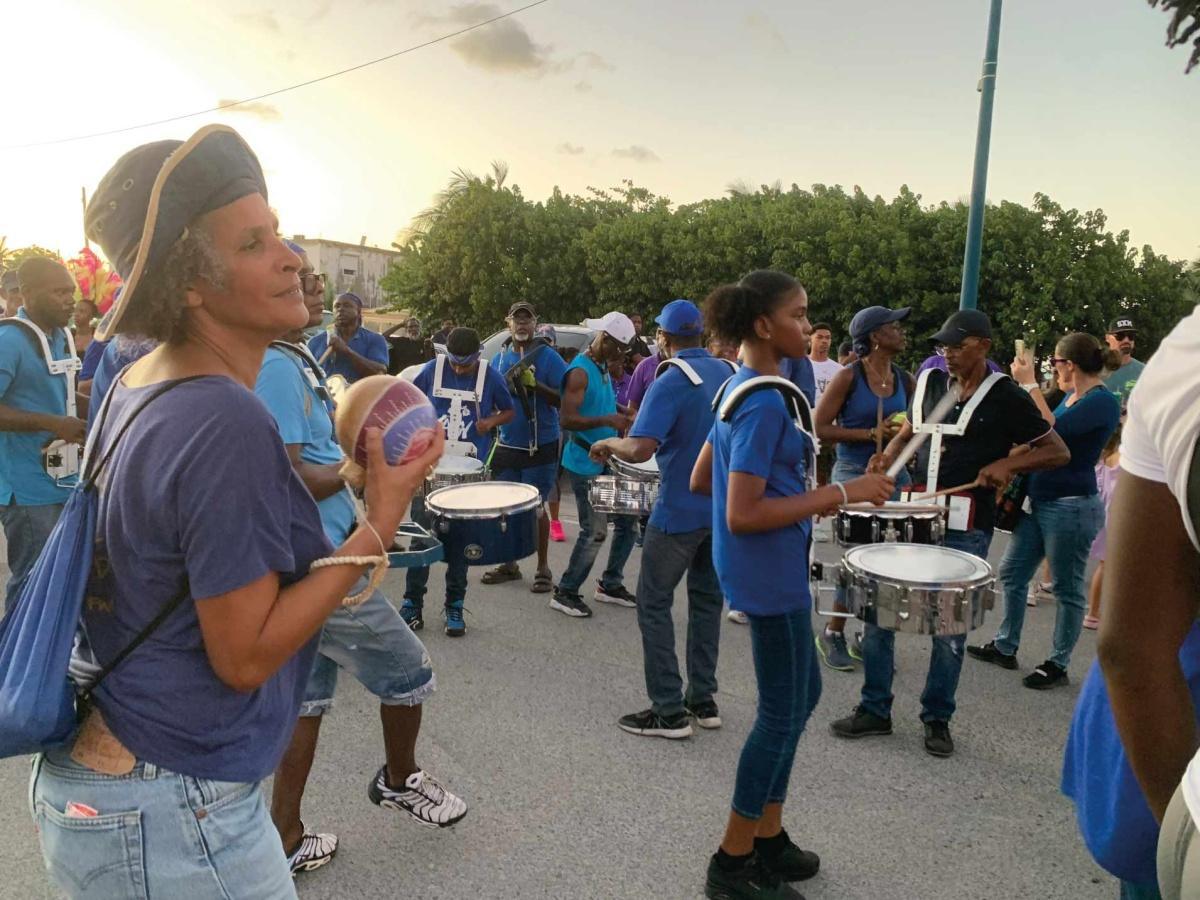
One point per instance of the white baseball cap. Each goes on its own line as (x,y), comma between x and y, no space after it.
(615,324)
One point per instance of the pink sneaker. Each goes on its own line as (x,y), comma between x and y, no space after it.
(556,531)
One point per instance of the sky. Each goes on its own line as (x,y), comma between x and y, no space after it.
(683,98)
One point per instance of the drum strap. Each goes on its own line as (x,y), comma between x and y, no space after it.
(313,373)
(690,373)
(954,429)
(797,404)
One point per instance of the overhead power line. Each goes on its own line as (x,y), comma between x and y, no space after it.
(283,90)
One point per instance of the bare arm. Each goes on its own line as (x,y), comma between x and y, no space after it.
(1047,452)
(630,449)
(572,399)
(831,404)
(1151,589)
(322,481)
(701,480)
(486,424)
(64,428)
(749,510)
(362,365)
(249,633)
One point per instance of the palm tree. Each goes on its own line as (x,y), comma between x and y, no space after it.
(460,182)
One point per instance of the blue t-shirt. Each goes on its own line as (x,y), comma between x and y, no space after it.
(679,416)
(763,574)
(27,385)
(91,359)
(303,418)
(119,352)
(599,399)
(548,368)
(799,371)
(199,495)
(365,343)
(495,398)
(1085,428)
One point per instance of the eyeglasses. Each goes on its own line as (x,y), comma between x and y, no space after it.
(1055,360)
(312,283)
(1124,335)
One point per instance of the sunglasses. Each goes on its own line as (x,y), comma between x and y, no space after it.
(1055,360)
(312,283)
(1124,335)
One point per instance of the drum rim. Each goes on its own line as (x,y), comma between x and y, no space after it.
(487,512)
(893,509)
(632,470)
(987,574)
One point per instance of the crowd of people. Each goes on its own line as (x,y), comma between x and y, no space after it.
(253,577)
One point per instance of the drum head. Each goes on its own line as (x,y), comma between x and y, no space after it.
(922,564)
(647,469)
(459,465)
(483,500)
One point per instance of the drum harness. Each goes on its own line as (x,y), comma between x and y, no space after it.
(518,389)
(454,423)
(313,373)
(956,429)
(60,459)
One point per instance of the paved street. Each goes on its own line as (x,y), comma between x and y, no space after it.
(563,804)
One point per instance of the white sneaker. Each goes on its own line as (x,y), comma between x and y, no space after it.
(740,617)
(423,798)
(315,850)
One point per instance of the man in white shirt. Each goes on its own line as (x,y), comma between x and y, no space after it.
(824,368)
(1152,597)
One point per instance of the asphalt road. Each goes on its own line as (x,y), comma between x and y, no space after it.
(563,804)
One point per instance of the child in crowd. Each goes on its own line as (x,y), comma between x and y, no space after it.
(1107,471)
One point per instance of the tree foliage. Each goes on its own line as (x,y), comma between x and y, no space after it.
(1184,26)
(1045,270)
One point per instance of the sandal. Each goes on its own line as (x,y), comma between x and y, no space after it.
(501,574)
(543,582)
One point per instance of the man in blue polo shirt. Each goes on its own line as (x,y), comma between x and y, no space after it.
(33,413)
(673,422)
(347,349)
(527,451)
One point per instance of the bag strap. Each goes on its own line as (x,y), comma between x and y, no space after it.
(169,607)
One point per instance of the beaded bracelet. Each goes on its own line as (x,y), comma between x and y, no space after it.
(379,563)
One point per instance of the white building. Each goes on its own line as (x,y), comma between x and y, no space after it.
(349,267)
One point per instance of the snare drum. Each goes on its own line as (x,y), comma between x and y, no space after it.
(485,524)
(917,588)
(906,523)
(452,470)
(630,490)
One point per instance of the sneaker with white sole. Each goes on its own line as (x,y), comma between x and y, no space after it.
(736,615)
(569,603)
(648,723)
(423,798)
(619,596)
(315,850)
(705,713)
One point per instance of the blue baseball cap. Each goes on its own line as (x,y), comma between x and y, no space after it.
(681,317)
(867,320)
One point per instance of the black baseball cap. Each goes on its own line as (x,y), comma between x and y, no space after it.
(963,324)
(1121,323)
(522,304)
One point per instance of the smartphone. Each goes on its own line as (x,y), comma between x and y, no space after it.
(1020,346)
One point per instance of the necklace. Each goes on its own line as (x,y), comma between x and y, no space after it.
(884,380)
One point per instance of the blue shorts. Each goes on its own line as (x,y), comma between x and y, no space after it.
(372,643)
(541,477)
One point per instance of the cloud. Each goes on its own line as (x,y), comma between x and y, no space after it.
(264,19)
(637,153)
(595,61)
(568,148)
(268,112)
(583,87)
(324,8)
(766,32)
(503,46)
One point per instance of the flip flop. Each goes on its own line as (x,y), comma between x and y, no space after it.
(543,582)
(500,574)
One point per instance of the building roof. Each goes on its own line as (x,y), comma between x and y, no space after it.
(298,238)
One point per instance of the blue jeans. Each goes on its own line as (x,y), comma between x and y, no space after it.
(666,558)
(26,530)
(945,657)
(157,834)
(372,643)
(416,580)
(593,528)
(789,686)
(1062,532)
(1131,891)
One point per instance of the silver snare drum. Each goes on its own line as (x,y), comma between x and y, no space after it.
(917,588)
(452,470)
(630,490)
(905,523)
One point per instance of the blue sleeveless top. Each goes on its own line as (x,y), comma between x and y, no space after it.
(599,399)
(860,410)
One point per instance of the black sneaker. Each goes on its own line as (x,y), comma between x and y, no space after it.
(785,859)
(1049,674)
(705,714)
(861,723)
(648,723)
(753,881)
(990,653)
(937,739)
(570,603)
(618,595)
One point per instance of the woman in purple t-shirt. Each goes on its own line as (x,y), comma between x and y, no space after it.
(160,793)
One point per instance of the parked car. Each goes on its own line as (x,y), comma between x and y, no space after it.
(574,337)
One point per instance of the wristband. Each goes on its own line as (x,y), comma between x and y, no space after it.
(841,487)
(1031,387)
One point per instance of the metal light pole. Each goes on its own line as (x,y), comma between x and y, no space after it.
(983,138)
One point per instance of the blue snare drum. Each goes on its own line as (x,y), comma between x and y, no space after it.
(487,523)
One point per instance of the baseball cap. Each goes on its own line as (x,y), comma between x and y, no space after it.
(1121,323)
(522,304)
(867,320)
(681,317)
(963,324)
(615,324)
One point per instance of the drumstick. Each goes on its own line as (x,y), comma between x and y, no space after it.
(944,491)
(324,356)
(879,426)
(914,443)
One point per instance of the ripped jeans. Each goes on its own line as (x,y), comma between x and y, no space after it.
(945,656)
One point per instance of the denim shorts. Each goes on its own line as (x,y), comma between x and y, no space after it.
(372,643)
(155,834)
(541,477)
